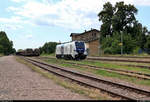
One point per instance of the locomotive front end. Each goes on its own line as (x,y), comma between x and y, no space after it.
(81,50)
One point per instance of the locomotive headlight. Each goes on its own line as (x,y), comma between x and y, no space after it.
(85,52)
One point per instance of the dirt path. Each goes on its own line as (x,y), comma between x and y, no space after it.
(18,82)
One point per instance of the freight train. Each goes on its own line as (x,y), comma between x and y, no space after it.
(28,52)
(76,50)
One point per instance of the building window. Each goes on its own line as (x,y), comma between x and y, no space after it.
(95,35)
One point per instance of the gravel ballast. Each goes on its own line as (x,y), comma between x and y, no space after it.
(18,82)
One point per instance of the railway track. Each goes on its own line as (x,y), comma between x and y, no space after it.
(119,60)
(117,89)
(118,71)
(148,57)
(142,66)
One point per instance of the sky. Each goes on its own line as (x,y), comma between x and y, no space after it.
(31,23)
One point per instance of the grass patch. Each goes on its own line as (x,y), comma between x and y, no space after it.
(130,55)
(129,79)
(124,63)
(101,72)
(114,66)
(89,92)
(46,55)
(107,65)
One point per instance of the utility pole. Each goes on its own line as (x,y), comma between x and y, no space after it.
(121,43)
(99,47)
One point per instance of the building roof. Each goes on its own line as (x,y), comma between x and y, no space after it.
(84,32)
(75,34)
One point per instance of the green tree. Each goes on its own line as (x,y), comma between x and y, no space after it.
(129,44)
(6,46)
(48,48)
(147,45)
(118,20)
(19,50)
(41,50)
(111,44)
(1,49)
(123,17)
(106,17)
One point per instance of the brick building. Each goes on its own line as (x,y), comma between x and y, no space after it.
(91,38)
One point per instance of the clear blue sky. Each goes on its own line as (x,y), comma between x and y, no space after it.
(31,23)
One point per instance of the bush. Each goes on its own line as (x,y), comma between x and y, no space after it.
(108,51)
(116,48)
(111,44)
(147,45)
(136,50)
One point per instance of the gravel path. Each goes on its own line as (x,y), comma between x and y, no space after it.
(18,82)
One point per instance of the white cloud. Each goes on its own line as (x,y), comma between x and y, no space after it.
(18,1)
(12,23)
(5,27)
(12,27)
(66,13)
(29,36)
(11,20)
(72,14)
(142,2)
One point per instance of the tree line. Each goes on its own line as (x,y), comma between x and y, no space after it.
(120,21)
(48,48)
(6,46)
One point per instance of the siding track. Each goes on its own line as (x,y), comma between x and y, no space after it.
(117,89)
(119,60)
(148,57)
(118,71)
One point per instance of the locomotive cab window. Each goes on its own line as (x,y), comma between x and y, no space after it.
(80,44)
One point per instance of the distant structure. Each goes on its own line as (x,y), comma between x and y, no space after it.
(91,38)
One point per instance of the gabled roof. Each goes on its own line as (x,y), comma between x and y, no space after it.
(75,34)
(84,32)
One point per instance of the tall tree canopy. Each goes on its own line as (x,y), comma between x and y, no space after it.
(106,17)
(124,16)
(6,46)
(118,20)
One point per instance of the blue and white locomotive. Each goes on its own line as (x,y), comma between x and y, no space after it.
(71,50)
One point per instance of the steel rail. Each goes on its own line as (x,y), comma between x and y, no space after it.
(118,71)
(143,66)
(75,75)
(119,60)
(142,57)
